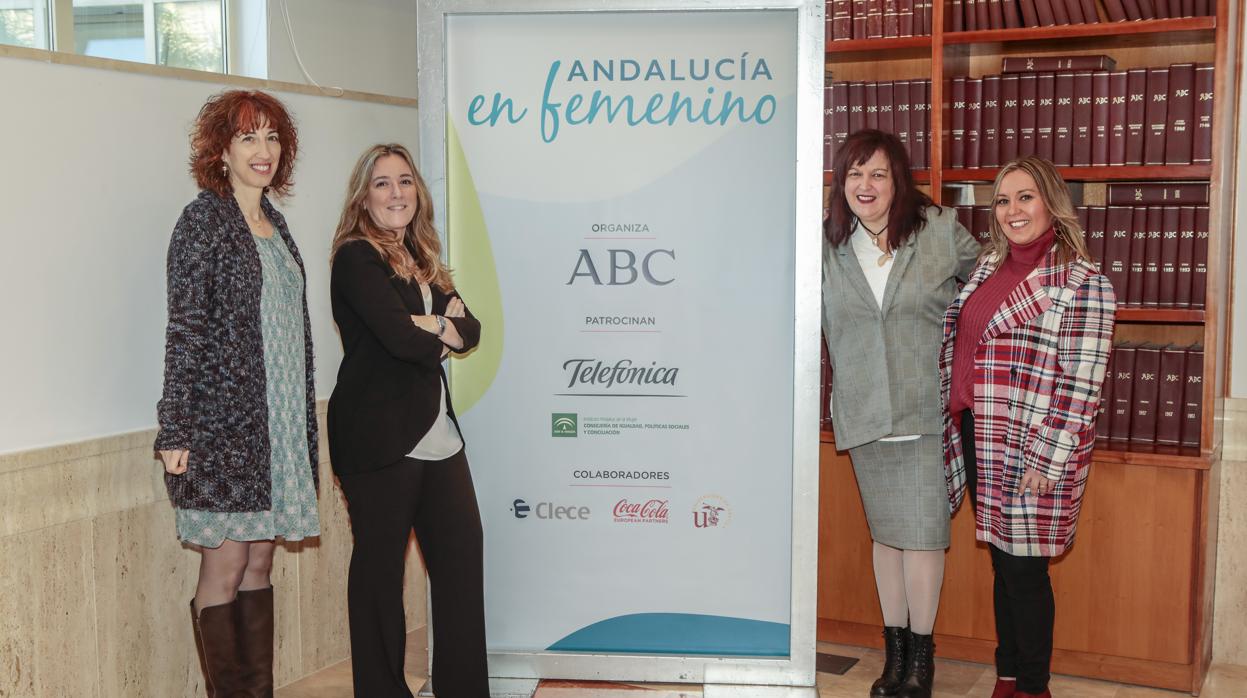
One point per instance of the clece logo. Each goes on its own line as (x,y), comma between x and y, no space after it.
(563,424)
(549,511)
(711,511)
(651,511)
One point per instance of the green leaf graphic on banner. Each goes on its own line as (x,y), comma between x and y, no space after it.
(476,277)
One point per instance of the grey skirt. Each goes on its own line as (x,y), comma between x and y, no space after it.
(903,491)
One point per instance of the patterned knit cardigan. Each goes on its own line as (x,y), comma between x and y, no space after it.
(215,395)
(1038,371)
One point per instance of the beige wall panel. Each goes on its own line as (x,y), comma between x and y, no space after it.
(287,626)
(47,613)
(323,567)
(1229,637)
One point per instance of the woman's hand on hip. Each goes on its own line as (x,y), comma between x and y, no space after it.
(1036,483)
(175,460)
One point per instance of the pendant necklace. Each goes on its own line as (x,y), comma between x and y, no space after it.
(885,254)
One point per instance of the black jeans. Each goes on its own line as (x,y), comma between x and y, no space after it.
(436,499)
(1022,596)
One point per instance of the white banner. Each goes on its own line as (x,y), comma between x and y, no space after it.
(621,217)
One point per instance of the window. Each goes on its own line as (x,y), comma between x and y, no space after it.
(176,33)
(24,23)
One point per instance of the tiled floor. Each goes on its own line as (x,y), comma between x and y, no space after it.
(953,679)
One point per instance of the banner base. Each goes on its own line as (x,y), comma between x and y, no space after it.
(712,690)
(498,688)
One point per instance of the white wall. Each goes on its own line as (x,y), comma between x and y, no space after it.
(1238,272)
(92,179)
(364,45)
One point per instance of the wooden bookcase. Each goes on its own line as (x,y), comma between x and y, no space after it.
(1135,593)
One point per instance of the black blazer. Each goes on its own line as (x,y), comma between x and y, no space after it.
(389,383)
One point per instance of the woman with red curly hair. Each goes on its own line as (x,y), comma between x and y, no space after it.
(237,414)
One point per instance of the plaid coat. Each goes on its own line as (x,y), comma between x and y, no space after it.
(1037,377)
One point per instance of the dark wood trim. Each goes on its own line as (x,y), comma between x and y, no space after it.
(1099,173)
(918,44)
(1200,26)
(1171,316)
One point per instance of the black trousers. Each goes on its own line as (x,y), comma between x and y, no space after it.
(1022,597)
(436,499)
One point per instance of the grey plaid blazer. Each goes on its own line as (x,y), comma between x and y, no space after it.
(885,362)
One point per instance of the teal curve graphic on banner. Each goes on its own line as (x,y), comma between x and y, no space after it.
(679,633)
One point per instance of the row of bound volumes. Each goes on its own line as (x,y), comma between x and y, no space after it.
(901,107)
(1154,256)
(824,391)
(1141,116)
(972,15)
(877,19)
(1153,395)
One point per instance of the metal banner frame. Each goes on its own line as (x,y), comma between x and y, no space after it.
(723,676)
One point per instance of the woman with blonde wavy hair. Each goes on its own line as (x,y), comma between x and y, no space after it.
(1026,344)
(394,441)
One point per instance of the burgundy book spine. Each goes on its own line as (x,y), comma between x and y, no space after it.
(1180,123)
(1073,9)
(1044,8)
(1116,264)
(829,134)
(859,19)
(982,15)
(874,19)
(1116,12)
(1138,254)
(1013,16)
(1063,121)
(1132,9)
(1186,256)
(891,18)
(883,93)
(1199,259)
(1201,146)
(1045,88)
(1152,256)
(957,135)
(857,106)
(1154,193)
(900,116)
(1096,222)
(841,20)
(981,217)
(1008,132)
(971,15)
(1104,411)
(957,10)
(1169,396)
(1186,8)
(995,14)
(1100,97)
(1117,118)
(1089,14)
(872,105)
(964,217)
(1045,64)
(1146,388)
(1193,397)
(974,120)
(840,119)
(1030,13)
(922,17)
(1081,152)
(1059,15)
(919,122)
(1157,116)
(1203,8)
(1147,9)
(1081,213)
(1028,100)
(1160,8)
(989,143)
(1123,391)
(905,15)
(1136,114)
(1170,232)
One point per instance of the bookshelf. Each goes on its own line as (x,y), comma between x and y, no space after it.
(1134,594)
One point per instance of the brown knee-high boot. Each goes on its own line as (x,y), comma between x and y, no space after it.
(217,638)
(253,615)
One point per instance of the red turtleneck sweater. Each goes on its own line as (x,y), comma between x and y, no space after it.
(980,307)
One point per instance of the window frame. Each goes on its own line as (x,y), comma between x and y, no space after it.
(61,37)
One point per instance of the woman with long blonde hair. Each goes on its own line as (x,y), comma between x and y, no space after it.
(394,440)
(1026,344)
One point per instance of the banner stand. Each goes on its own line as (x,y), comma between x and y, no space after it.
(630,194)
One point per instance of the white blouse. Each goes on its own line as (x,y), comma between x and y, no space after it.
(443,439)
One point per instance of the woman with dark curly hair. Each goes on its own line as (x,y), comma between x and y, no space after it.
(237,415)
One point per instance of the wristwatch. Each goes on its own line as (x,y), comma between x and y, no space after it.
(441,325)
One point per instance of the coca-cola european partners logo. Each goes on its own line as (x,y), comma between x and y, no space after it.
(650,511)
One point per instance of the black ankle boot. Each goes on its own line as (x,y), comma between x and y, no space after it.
(894,645)
(920,668)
